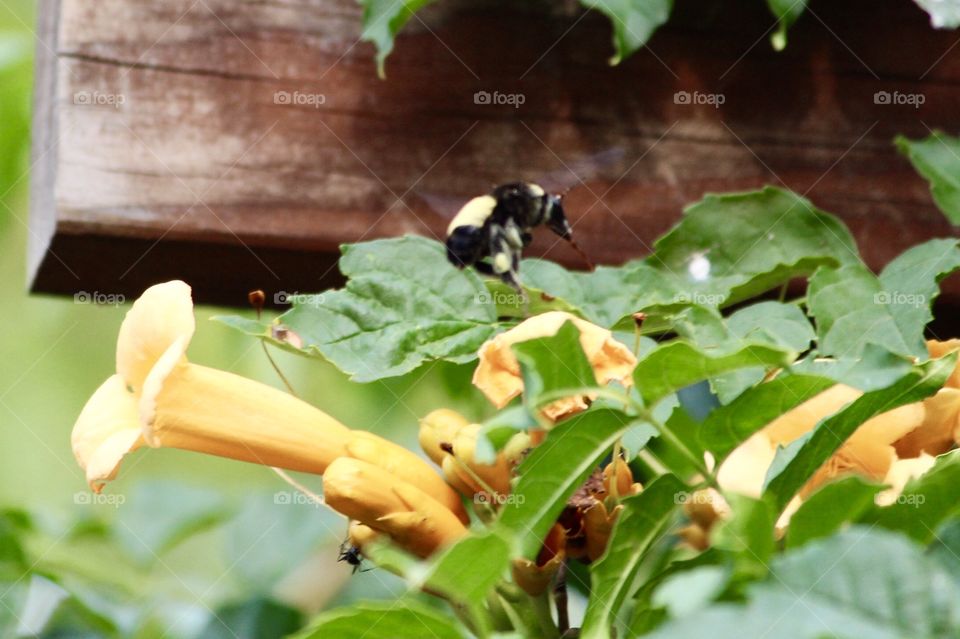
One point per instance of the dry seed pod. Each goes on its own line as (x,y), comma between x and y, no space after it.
(624,484)
(534,577)
(439,427)
(597,525)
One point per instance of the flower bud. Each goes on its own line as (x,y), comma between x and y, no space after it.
(405,465)
(437,428)
(378,499)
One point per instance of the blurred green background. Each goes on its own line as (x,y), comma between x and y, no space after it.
(181,545)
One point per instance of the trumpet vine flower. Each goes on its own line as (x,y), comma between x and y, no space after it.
(498,373)
(157,398)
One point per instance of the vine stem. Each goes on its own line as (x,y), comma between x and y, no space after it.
(671,437)
(282,474)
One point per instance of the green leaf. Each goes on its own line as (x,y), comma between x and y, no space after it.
(686,592)
(674,365)
(403,619)
(911,283)
(643,518)
(875,368)
(606,295)
(747,535)
(833,431)
(49,610)
(739,245)
(859,584)
(786,12)
(774,323)
(945,548)
(553,471)
(634,21)
(937,157)
(829,508)
(469,569)
(852,310)
(253,619)
(159,514)
(534,301)
(925,503)
(683,428)
(497,431)
(404,305)
(729,426)
(554,367)
(382,19)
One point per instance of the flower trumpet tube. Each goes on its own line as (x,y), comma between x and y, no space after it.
(158,398)
(498,373)
(375,498)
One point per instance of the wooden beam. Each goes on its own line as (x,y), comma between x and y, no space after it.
(236,145)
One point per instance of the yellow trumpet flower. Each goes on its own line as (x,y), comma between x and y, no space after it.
(498,373)
(377,499)
(158,398)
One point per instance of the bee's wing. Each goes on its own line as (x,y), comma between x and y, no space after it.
(571,174)
(441,204)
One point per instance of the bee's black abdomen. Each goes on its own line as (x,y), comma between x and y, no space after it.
(465,245)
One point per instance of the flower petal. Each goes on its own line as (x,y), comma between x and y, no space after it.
(107,429)
(160,317)
(745,469)
(498,373)
(940,428)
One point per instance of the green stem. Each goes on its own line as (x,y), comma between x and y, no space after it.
(531,615)
(671,437)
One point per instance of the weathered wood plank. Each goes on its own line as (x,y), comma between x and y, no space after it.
(249,139)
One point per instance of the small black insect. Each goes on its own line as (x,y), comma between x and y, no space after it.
(490,231)
(352,555)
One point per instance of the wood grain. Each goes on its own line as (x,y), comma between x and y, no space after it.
(165,147)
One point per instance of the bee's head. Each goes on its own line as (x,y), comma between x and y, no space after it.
(556,218)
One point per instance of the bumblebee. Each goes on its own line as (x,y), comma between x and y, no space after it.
(491,231)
